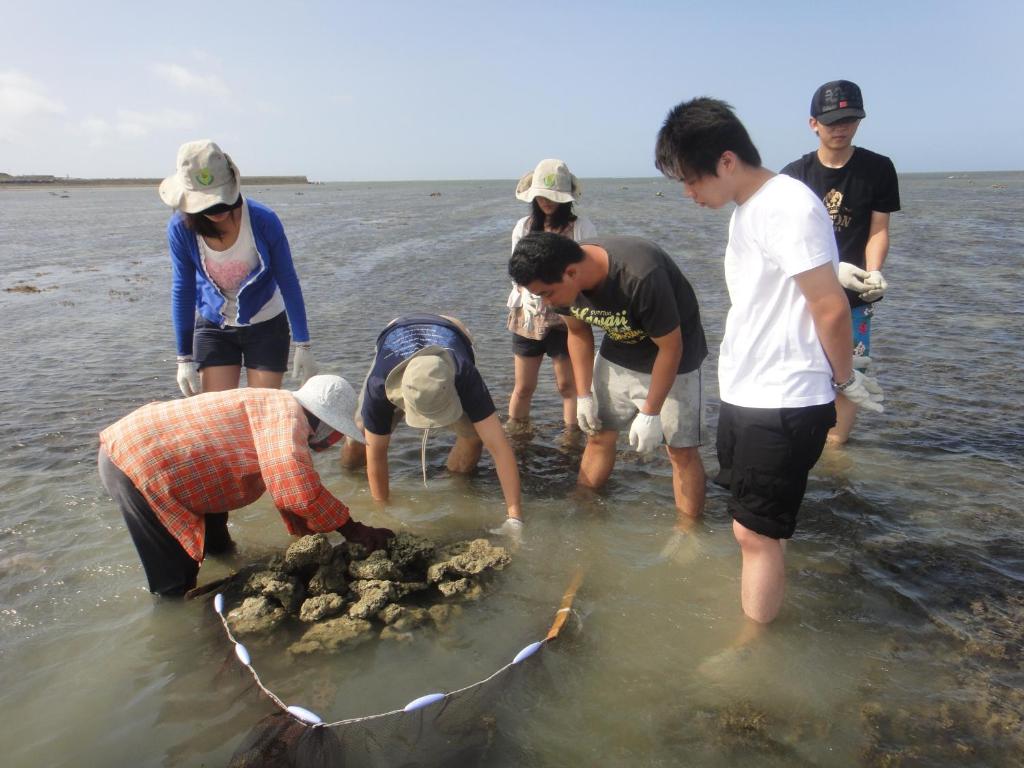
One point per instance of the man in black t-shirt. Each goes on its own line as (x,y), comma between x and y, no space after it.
(646,376)
(860,190)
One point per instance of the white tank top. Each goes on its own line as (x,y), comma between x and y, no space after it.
(228,269)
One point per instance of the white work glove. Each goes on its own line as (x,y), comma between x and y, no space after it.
(303,365)
(645,433)
(852,277)
(512,528)
(532,306)
(876,286)
(861,362)
(863,391)
(188,377)
(586,415)
(515,298)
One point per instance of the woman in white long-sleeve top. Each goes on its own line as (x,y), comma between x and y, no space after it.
(551,191)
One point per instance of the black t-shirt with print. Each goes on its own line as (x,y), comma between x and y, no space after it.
(866,183)
(644,295)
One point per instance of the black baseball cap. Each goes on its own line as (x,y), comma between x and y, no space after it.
(837,100)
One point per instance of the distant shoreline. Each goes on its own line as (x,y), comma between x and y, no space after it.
(34,182)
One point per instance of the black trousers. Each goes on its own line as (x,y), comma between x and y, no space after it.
(169,569)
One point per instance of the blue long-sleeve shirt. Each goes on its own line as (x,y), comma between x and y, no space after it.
(192,290)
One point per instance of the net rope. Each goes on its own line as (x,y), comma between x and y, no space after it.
(311,720)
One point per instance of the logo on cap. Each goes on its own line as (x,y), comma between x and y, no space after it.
(549,180)
(204,177)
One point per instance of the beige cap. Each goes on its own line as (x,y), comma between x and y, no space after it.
(424,387)
(550,179)
(206,177)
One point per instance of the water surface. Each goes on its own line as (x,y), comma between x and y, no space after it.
(900,639)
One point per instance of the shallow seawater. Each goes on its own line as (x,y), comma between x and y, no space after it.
(901,638)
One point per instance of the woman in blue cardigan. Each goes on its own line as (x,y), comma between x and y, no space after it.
(235,298)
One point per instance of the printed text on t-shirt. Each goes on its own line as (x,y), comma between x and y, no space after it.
(615,324)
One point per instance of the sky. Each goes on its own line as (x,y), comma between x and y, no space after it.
(375,91)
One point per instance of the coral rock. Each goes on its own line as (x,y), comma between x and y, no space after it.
(321,607)
(307,553)
(332,635)
(256,615)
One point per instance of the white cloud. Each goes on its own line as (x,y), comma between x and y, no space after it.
(182,78)
(131,124)
(21,97)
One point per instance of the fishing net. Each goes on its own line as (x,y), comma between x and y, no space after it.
(452,728)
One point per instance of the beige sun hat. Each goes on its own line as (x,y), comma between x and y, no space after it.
(206,177)
(550,179)
(424,387)
(332,400)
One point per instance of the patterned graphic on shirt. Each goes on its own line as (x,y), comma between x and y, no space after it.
(841,217)
(615,324)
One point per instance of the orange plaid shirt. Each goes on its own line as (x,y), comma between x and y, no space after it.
(221,451)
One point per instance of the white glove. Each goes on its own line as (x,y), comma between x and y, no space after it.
(861,362)
(512,528)
(876,286)
(586,415)
(645,433)
(188,377)
(532,306)
(303,366)
(852,277)
(864,392)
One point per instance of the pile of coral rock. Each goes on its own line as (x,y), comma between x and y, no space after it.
(347,596)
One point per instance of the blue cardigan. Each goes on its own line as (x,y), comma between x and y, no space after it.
(192,290)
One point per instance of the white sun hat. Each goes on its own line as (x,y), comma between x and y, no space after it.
(550,179)
(332,400)
(206,177)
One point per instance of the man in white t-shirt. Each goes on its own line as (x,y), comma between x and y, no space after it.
(787,347)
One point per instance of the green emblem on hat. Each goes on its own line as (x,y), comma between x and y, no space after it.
(549,180)
(204,177)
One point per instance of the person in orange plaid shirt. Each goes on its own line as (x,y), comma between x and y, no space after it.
(168,465)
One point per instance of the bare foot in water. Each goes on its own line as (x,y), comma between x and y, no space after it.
(734,662)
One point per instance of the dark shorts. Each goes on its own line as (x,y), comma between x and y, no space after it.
(261,346)
(554,344)
(764,455)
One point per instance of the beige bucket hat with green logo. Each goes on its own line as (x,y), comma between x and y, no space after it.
(550,179)
(206,177)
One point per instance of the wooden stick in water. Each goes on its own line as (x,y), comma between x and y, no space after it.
(567,599)
(206,589)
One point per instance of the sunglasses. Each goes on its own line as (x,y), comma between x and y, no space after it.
(213,210)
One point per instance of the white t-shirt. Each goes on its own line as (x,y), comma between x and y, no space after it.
(771,356)
(229,270)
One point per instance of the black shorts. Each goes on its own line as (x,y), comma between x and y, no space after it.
(261,346)
(764,455)
(555,344)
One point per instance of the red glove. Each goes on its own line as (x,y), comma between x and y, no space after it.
(371,538)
